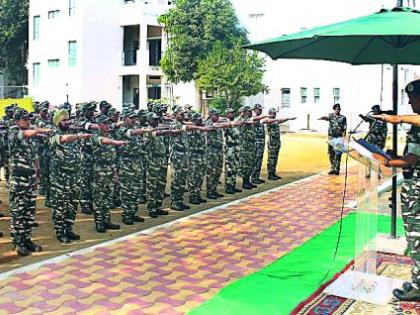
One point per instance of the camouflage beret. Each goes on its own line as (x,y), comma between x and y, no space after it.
(258,106)
(335,106)
(152,115)
(129,113)
(112,111)
(43,106)
(20,113)
(59,115)
(272,110)
(88,106)
(245,108)
(11,107)
(142,113)
(102,119)
(196,116)
(177,110)
(213,111)
(104,104)
(156,108)
(413,88)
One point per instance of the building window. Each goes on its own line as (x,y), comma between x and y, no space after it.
(303,95)
(336,95)
(317,95)
(36,73)
(72,7)
(285,97)
(36,27)
(53,63)
(72,53)
(53,14)
(255,17)
(155,52)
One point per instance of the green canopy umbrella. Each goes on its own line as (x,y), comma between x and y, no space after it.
(385,37)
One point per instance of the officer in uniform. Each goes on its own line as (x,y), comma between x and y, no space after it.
(337,129)
(259,147)
(64,179)
(8,122)
(378,129)
(410,196)
(22,192)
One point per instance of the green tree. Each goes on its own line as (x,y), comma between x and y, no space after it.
(232,73)
(14,39)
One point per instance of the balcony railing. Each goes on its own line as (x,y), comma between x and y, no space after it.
(129,57)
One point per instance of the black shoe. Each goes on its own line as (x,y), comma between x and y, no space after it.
(253,185)
(32,247)
(1,215)
(337,173)
(111,226)
(246,186)
(35,224)
(100,228)
(87,212)
(202,200)
(186,207)
(273,177)
(261,181)
(408,286)
(195,201)
(219,195)
(153,213)
(409,296)
(1,234)
(229,190)
(127,221)
(162,212)
(72,236)
(212,196)
(63,238)
(177,207)
(331,172)
(136,218)
(237,190)
(22,251)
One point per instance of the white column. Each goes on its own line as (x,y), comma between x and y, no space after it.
(143,65)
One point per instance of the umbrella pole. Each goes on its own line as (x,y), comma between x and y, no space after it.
(395,149)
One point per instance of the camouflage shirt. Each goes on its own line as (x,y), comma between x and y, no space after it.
(259,132)
(65,157)
(337,126)
(132,150)
(413,147)
(214,138)
(273,131)
(197,142)
(179,142)
(22,153)
(104,156)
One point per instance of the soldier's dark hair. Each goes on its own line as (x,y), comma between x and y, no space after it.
(336,106)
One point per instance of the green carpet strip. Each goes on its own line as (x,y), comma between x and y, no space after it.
(281,286)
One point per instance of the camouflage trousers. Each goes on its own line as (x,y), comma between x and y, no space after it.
(64,195)
(259,154)
(86,180)
(103,194)
(142,179)
(335,159)
(214,168)
(246,159)
(273,157)
(410,211)
(22,196)
(44,172)
(179,168)
(197,170)
(128,174)
(156,181)
(231,165)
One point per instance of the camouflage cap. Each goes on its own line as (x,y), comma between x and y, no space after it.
(66,106)
(213,111)
(156,108)
(104,104)
(142,113)
(112,111)
(20,113)
(128,113)
(196,116)
(336,106)
(187,106)
(11,107)
(413,88)
(88,106)
(59,115)
(272,110)
(245,108)
(102,119)
(152,115)
(258,106)
(177,110)
(43,106)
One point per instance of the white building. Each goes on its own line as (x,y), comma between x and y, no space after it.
(95,49)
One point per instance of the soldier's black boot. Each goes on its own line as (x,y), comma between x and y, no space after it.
(212,195)
(1,214)
(100,228)
(22,251)
(409,296)
(1,234)
(331,172)
(162,212)
(194,200)
(186,207)
(229,190)
(202,200)
(87,211)
(219,195)
(237,190)
(273,176)
(246,184)
(128,221)
(32,247)
(72,236)
(253,185)
(136,218)
(35,224)
(63,238)
(111,226)
(153,213)
(261,181)
(177,207)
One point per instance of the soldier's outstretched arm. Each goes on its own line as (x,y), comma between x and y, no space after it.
(141,131)
(398,119)
(324,118)
(35,132)
(404,162)
(108,141)
(73,138)
(258,118)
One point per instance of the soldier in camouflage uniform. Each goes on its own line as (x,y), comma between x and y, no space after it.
(164,122)
(232,153)
(214,155)
(104,108)
(274,142)
(337,129)
(378,130)
(179,161)
(247,151)
(22,192)
(259,147)
(156,157)
(8,122)
(43,121)
(410,196)
(104,171)
(87,122)
(188,112)
(130,159)
(114,198)
(64,178)
(142,123)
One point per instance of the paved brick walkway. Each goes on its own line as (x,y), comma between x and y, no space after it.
(172,269)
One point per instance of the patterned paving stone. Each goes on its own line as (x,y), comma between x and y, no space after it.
(175,268)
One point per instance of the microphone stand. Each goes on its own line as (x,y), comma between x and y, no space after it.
(352,132)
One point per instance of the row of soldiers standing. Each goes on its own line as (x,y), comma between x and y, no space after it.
(101,161)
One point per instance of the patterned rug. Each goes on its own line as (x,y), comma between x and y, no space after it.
(392,266)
